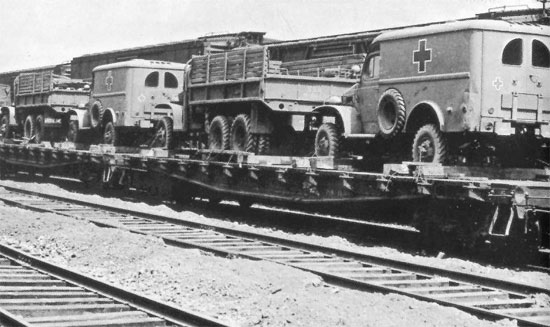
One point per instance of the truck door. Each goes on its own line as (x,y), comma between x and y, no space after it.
(516,78)
(368,93)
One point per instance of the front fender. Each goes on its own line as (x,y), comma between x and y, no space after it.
(177,116)
(82,116)
(348,117)
(11,113)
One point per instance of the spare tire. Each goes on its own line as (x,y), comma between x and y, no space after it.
(96,113)
(391,113)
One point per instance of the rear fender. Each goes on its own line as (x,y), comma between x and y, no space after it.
(346,116)
(11,112)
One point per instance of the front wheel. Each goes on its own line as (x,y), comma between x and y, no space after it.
(29,127)
(39,129)
(164,136)
(327,140)
(429,145)
(72,132)
(110,134)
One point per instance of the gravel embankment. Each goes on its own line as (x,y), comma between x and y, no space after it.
(238,291)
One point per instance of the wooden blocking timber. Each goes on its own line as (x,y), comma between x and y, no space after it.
(337,66)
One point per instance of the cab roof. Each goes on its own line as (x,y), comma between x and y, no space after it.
(142,63)
(477,24)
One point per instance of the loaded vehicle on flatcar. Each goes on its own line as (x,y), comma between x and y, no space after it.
(242,100)
(132,97)
(466,92)
(43,103)
(126,99)
(469,91)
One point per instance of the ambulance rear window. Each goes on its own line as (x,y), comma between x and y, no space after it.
(541,55)
(152,80)
(512,54)
(170,81)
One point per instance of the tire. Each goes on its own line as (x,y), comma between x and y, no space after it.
(327,140)
(110,134)
(264,144)
(39,129)
(391,113)
(218,135)
(429,145)
(5,128)
(96,114)
(241,139)
(164,135)
(73,131)
(29,127)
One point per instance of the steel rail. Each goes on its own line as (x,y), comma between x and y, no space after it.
(483,296)
(26,273)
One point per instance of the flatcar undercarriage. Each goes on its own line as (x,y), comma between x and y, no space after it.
(453,206)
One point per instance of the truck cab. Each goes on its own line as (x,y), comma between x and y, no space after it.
(447,85)
(133,95)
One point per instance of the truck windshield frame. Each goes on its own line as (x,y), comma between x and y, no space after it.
(372,68)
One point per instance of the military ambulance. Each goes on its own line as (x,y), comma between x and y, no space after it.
(132,96)
(452,89)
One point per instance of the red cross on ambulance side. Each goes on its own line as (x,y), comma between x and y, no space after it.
(422,56)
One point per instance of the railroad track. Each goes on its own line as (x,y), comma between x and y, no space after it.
(479,295)
(36,293)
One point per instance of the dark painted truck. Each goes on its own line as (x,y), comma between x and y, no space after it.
(125,104)
(43,103)
(466,91)
(242,100)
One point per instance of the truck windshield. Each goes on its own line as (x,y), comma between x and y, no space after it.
(540,55)
(513,52)
(373,67)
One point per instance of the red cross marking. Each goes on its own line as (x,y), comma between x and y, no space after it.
(422,56)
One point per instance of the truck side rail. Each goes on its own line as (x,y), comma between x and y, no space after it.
(336,66)
(237,65)
(34,83)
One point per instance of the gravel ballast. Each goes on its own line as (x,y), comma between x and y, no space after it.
(238,291)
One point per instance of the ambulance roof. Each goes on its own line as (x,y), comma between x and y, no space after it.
(142,63)
(478,24)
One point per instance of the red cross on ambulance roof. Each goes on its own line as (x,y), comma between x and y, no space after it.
(422,55)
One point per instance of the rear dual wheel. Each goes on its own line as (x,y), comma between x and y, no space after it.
(241,139)
(5,129)
(218,135)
